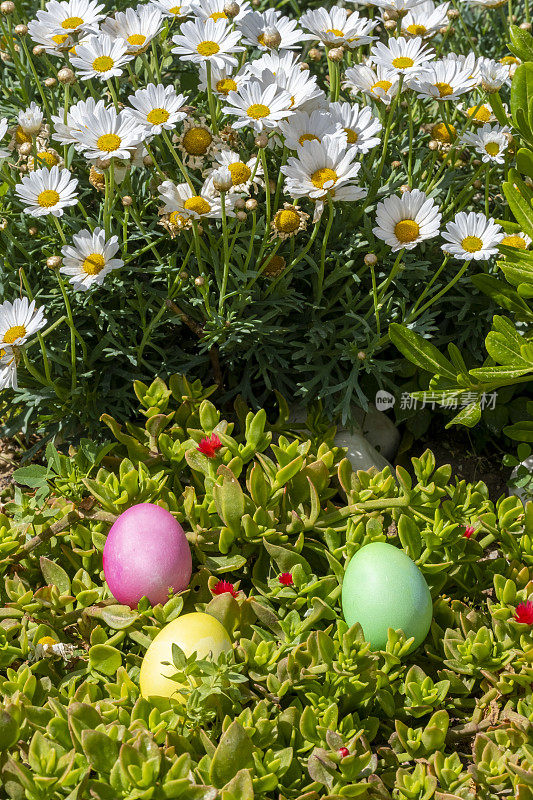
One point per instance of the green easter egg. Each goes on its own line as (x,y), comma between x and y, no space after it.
(383,588)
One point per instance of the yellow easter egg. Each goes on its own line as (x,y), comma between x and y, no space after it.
(196,632)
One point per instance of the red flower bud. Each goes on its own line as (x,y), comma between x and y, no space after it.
(469,530)
(343,752)
(209,445)
(524,613)
(225,586)
(286,579)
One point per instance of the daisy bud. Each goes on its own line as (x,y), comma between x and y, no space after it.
(526,26)
(261,140)
(25,149)
(200,281)
(38,50)
(49,82)
(32,231)
(184,275)
(444,30)
(433,144)
(477,184)
(405,188)
(315,54)
(336,54)
(231,8)
(241,216)
(66,76)
(3,224)
(256,3)
(275,266)
(53,262)
(371,259)
(396,164)
(361,355)
(222,180)
(514,18)
(390,25)
(21,30)
(127,200)
(240,203)
(272,37)
(148,161)
(453,14)
(386,16)
(7,8)
(251,204)
(304,67)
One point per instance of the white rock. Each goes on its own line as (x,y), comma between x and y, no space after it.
(379,429)
(360,453)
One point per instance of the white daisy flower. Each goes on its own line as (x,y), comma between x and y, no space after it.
(44,34)
(425,19)
(138,26)
(445,79)
(301,127)
(395,6)
(405,221)
(520,241)
(254,25)
(486,3)
(110,135)
(304,92)
(274,61)
(31,119)
(181,200)
(258,105)
(493,75)
(201,41)
(472,235)
(402,56)
(77,116)
(491,142)
(172,9)
(244,174)
(359,125)
(100,57)
(156,108)
(73,16)
(197,142)
(8,369)
(376,82)
(322,168)
(90,259)
(47,191)
(335,28)
(18,321)
(214,9)
(223,81)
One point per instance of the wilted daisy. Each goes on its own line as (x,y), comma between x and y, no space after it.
(72,16)
(210,40)
(491,142)
(90,259)
(197,141)
(322,168)
(214,9)
(254,25)
(445,79)
(156,108)
(376,82)
(31,119)
(335,28)
(425,19)
(47,191)
(45,158)
(493,75)
(258,105)
(472,235)
(204,205)
(18,321)
(171,8)
(288,221)
(402,56)
(244,174)
(301,127)
(110,135)
(405,221)
(77,116)
(100,57)
(138,26)
(8,369)
(358,123)
(520,241)
(223,81)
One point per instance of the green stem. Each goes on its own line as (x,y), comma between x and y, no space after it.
(225,272)
(211,98)
(322,268)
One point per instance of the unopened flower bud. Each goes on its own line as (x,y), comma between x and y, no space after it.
(272,37)
(396,164)
(231,8)
(49,82)
(336,54)
(3,224)
(39,50)
(21,30)
(514,19)
(53,262)
(148,161)
(361,355)
(184,275)
(526,26)
(405,188)
(256,3)
(477,184)
(371,259)
(304,67)
(7,8)
(390,25)
(453,14)
(251,204)
(241,215)
(222,180)
(315,54)
(127,200)
(433,145)
(66,76)
(199,281)
(240,203)
(261,140)
(444,30)
(25,148)
(32,231)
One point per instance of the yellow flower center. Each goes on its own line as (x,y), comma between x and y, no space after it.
(108,142)
(492,148)
(515,241)
(275,266)
(443,133)
(103,63)
(208,48)
(416,30)
(445,90)
(14,333)
(71,22)
(21,136)
(226,85)
(60,38)
(322,176)
(240,173)
(287,220)
(402,62)
(335,32)
(136,39)
(218,15)
(198,204)
(157,116)
(351,135)
(481,115)
(407,230)
(308,137)
(47,640)
(175,218)
(93,264)
(261,39)
(385,85)
(175,10)
(196,141)
(472,244)
(50,159)
(258,111)
(508,60)
(48,198)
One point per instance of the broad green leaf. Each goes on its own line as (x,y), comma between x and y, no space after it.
(55,575)
(520,431)
(101,750)
(105,658)
(33,476)
(521,43)
(233,754)
(520,207)
(468,416)
(418,350)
